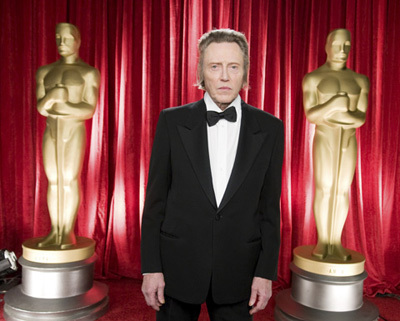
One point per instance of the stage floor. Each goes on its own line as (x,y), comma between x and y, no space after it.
(127,303)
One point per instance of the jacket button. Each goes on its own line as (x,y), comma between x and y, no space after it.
(217,217)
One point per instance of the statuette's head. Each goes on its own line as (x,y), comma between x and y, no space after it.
(68,39)
(338,45)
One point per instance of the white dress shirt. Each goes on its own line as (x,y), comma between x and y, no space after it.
(222,146)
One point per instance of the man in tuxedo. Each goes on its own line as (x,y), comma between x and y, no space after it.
(211,220)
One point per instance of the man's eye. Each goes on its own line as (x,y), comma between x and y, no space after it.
(234,68)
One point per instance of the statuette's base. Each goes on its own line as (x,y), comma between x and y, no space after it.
(56,292)
(303,258)
(82,250)
(288,309)
(316,297)
(85,307)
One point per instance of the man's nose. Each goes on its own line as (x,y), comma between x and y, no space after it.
(224,74)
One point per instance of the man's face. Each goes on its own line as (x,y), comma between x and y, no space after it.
(223,72)
(67,44)
(338,47)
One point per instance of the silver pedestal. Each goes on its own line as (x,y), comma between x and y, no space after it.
(61,292)
(315,297)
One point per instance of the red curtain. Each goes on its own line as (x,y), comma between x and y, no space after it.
(146,53)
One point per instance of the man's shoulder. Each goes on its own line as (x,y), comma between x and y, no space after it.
(182,112)
(261,115)
(183,108)
(267,122)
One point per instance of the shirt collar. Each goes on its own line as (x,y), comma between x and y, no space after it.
(211,105)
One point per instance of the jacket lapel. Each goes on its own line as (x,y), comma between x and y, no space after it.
(194,137)
(251,139)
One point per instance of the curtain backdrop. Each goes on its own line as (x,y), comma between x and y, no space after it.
(146,53)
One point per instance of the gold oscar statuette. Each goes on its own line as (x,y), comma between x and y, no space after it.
(67,92)
(327,279)
(335,99)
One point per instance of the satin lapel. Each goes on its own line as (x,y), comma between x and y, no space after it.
(194,138)
(251,139)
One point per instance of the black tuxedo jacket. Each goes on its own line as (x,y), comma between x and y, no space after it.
(185,235)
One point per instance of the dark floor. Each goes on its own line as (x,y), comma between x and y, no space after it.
(127,303)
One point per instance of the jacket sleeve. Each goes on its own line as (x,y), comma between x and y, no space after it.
(158,185)
(269,209)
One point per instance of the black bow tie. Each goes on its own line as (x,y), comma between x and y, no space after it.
(213,117)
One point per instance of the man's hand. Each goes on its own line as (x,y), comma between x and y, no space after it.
(153,290)
(261,292)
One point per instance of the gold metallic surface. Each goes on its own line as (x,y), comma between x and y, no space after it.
(304,259)
(81,250)
(335,99)
(67,92)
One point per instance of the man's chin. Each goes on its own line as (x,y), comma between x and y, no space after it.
(226,99)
